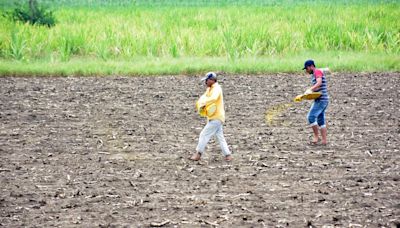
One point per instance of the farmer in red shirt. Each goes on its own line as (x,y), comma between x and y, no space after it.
(316,115)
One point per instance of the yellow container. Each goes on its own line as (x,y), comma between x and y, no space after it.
(311,96)
(206,111)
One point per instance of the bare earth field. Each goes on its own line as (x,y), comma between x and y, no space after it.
(112,152)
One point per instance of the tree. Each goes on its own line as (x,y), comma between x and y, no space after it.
(32,14)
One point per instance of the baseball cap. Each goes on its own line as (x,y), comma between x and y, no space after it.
(210,75)
(309,62)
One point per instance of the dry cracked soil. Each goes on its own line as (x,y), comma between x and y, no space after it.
(112,152)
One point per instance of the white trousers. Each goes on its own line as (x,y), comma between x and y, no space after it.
(213,127)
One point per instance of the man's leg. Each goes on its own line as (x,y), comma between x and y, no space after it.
(324,133)
(322,125)
(312,120)
(222,142)
(208,131)
(315,133)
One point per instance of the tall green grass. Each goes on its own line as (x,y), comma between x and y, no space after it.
(190,3)
(241,31)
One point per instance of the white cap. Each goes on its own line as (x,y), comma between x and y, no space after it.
(210,75)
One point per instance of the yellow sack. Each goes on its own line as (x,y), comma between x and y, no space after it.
(206,111)
(298,98)
(311,96)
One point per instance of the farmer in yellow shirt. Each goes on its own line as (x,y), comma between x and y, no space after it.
(213,95)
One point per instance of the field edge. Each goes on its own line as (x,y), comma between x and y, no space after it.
(337,62)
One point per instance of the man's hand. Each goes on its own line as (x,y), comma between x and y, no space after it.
(308,91)
(202,104)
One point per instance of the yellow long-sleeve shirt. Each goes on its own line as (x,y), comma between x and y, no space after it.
(214,95)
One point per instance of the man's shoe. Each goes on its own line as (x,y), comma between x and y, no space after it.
(228,158)
(195,157)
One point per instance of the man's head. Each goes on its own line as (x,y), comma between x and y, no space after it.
(210,78)
(309,66)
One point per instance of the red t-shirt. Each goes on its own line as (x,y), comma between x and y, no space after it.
(318,73)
